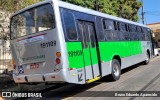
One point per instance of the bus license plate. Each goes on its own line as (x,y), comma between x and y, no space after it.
(34,66)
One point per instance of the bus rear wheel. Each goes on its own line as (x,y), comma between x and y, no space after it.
(116,70)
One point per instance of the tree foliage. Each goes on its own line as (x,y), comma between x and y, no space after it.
(122,8)
(15,5)
(7,7)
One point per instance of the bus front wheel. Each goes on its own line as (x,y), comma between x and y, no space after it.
(116,70)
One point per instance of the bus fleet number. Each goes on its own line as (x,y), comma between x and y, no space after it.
(75,53)
(48,44)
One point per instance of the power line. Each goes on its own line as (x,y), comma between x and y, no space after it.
(153,11)
(158,15)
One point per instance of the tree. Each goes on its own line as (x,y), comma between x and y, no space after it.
(122,8)
(14,5)
(7,7)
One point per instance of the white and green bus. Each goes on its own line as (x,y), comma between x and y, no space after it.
(54,41)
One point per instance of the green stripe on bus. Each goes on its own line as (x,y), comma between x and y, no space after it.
(75,59)
(107,51)
(123,49)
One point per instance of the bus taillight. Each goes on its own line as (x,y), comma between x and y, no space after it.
(58,61)
(58,54)
(13,64)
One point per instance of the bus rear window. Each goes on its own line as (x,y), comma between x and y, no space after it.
(31,21)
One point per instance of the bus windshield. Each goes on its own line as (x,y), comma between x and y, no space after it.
(31,21)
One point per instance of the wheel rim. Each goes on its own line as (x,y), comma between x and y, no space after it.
(116,70)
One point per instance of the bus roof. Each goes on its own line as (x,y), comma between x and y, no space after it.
(96,13)
(79,9)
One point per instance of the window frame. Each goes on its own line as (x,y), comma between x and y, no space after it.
(114,30)
(12,38)
(105,22)
(64,25)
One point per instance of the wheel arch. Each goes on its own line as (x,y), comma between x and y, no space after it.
(117,57)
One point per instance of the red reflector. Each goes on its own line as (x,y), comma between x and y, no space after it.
(58,61)
(14,66)
(71,69)
(53,77)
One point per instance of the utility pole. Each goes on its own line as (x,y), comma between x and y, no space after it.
(142,12)
(96,5)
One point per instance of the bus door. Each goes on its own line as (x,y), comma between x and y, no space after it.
(87,31)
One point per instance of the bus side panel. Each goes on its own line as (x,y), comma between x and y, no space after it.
(76,63)
(74,56)
(123,49)
(127,50)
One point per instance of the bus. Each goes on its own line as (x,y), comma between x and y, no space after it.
(58,42)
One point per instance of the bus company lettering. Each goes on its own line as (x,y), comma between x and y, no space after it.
(33,58)
(75,53)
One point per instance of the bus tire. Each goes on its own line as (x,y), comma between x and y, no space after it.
(116,70)
(146,62)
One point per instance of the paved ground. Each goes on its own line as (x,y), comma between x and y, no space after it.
(135,78)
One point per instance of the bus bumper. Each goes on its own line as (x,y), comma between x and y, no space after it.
(60,76)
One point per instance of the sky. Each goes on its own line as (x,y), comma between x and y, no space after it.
(152,11)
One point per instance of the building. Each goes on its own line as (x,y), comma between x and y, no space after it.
(5,56)
(155,27)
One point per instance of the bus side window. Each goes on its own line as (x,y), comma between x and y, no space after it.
(115,25)
(133,32)
(120,33)
(140,33)
(132,28)
(109,30)
(123,31)
(70,27)
(146,34)
(101,36)
(127,27)
(136,33)
(123,27)
(108,24)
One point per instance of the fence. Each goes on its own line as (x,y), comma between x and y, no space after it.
(5,56)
